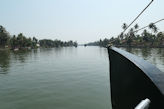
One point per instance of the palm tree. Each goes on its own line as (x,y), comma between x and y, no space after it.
(124,26)
(35,40)
(121,36)
(153,27)
(4,36)
(13,42)
(131,32)
(136,26)
(146,36)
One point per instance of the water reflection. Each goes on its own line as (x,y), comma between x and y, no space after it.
(161,53)
(7,56)
(153,55)
(21,56)
(4,61)
(128,49)
(146,52)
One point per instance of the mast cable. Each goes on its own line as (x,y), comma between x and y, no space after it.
(148,25)
(138,16)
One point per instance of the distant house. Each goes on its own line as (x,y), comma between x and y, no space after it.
(38,45)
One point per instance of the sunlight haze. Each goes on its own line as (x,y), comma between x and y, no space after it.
(79,20)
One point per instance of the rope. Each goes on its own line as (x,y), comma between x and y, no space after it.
(148,25)
(138,16)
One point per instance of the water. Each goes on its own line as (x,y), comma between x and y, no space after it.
(57,78)
(153,55)
(61,78)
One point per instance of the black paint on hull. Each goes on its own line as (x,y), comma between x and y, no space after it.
(132,79)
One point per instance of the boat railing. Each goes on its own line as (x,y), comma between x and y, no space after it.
(144,104)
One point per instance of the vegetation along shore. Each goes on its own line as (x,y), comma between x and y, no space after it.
(150,37)
(21,42)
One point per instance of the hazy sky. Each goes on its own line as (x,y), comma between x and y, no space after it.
(79,20)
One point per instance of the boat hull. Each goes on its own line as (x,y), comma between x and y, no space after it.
(132,79)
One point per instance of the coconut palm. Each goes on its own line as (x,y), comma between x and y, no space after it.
(124,26)
(4,36)
(121,36)
(136,26)
(153,27)
(131,32)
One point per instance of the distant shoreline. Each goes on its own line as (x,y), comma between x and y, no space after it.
(139,46)
(132,46)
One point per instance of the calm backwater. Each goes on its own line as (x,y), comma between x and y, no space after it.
(61,78)
(57,78)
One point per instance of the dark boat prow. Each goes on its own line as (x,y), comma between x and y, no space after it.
(132,79)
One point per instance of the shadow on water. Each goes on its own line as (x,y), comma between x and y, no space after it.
(4,61)
(143,52)
(160,54)
(129,49)
(146,52)
(153,55)
(21,55)
(6,56)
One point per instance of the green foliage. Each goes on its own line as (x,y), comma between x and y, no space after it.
(153,27)
(124,26)
(22,42)
(4,37)
(131,38)
(136,26)
(47,43)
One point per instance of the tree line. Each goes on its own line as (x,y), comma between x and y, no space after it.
(56,43)
(22,42)
(150,37)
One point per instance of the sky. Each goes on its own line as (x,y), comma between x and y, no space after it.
(78,20)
